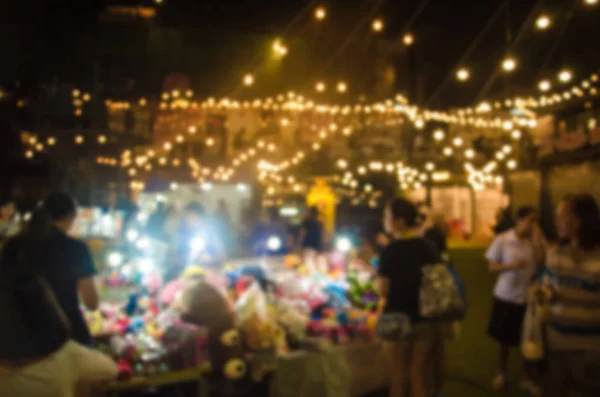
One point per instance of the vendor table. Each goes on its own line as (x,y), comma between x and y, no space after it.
(352,370)
(114,389)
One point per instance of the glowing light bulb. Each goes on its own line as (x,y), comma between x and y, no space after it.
(438,135)
(448,151)
(511,164)
(516,135)
(544,85)
(591,2)
(469,153)
(343,244)
(320,86)
(565,76)
(342,87)
(101,139)
(458,141)
(463,74)
(273,243)
(210,142)
(79,139)
(543,22)
(509,64)
(320,13)
(408,39)
(248,80)
(377,25)
(115,259)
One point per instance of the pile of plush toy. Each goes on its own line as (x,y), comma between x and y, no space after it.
(237,321)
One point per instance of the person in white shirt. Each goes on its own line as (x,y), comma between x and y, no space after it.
(514,255)
(37,357)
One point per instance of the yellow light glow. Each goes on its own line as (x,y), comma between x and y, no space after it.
(377,25)
(79,139)
(343,164)
(76,93)
(192,129)
(565,76)
(342,87)
(408,39)
(509,64)
(516,135)
(420,124)
(320,13)
(544,85)
(189,93)
(248,80)
(590,2)
(511,164)
(543,22)
(285,122)
(316,146)
(448,151)
(458,141)
(438,135)
(430,166)
(463,74)
(101,139)
(167,146)
(469,153)
(86,97)
(29,154)
(320,86)
(179,138)
(51,141)
(210,142)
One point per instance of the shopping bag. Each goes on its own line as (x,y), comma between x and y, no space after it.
(392,327)
(440,296)
(532,342)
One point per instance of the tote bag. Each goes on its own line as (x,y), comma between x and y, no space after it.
(440,297)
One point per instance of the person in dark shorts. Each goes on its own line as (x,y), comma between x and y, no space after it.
(514,255)
(400,270)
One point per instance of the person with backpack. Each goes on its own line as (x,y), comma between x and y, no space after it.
(400,275)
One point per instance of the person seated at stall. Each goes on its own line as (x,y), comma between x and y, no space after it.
(65,263)
(38,357)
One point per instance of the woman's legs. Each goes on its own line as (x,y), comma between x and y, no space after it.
(419,355)
(399,359)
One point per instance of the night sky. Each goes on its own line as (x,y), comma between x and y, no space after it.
(216,42)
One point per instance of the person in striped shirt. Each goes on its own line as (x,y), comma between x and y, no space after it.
(571,285)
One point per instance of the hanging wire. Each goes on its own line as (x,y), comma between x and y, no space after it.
(257,61)
(350,38)
(469,51)
(524,27)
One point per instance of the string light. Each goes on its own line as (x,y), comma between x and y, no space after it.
(458,141)
(377,25)
(408,39)
(320,86)
(463,74)
(565,76)
(101,139)
(78,139)
(248,80)
(342,87)
(509,64)
(469,153)
(448,151)
(516,135)
(543,22)
(210,142)
(438,135)
(320,13)
(51,141)
(590,2)
(511,164)
(544,85)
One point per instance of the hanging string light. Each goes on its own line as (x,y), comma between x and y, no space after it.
(408,39)
(509,64)
(377,25)
(545,85)
(543,22)
(565,75)
(248,80)
(463,74)
(320,13)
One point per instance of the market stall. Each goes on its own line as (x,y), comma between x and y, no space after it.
(256,320)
